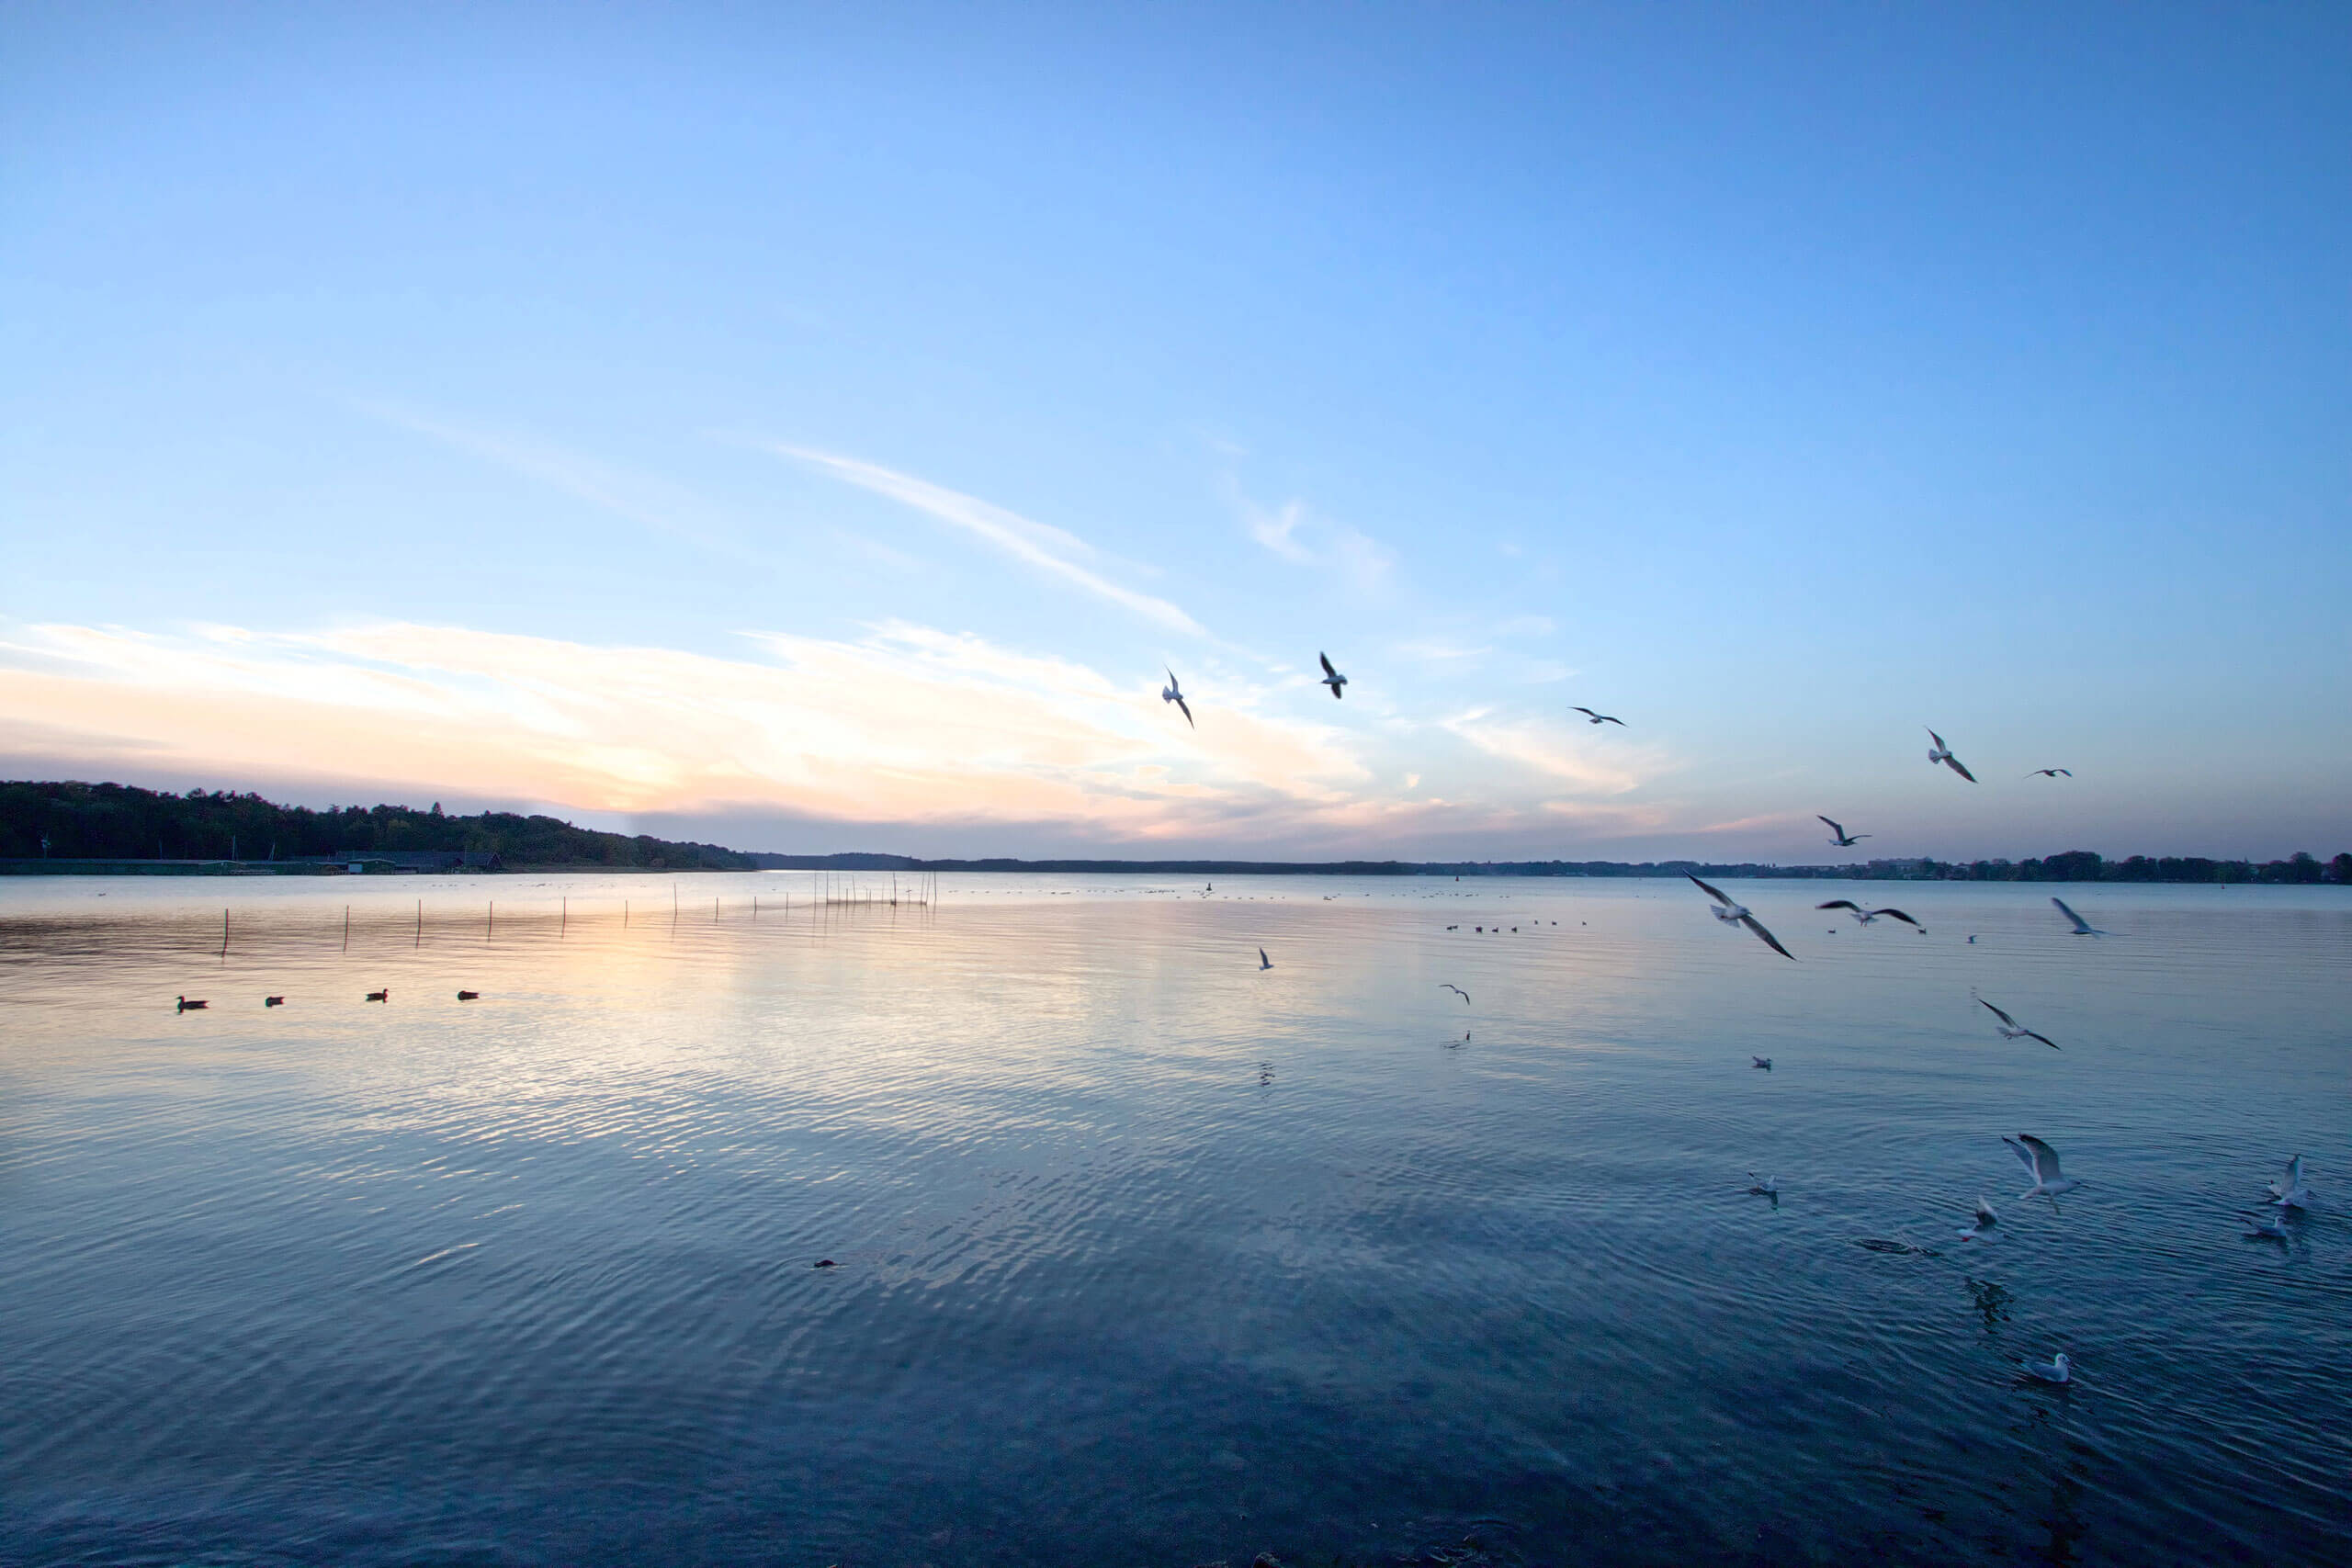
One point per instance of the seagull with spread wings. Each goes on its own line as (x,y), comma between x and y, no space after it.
(1331,677)
(1866,916)
(1172,693)
(2012,1029)
(1602,717)
(1732,914)
(1939,753)
(1264,962)
(2050,773)
(2043,1161)
(2081,926)
(1457,990)
(1843,840)
(1985,1220)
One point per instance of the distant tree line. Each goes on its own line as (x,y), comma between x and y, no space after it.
(110,821)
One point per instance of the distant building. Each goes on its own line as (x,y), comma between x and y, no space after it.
(421,860)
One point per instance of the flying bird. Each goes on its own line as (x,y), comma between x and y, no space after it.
(1264,962)
(1843,840)
(1331,677)
(1732,914)
(1939,753)
(1866,916)
(1985,1220)
(1766,1186)
(2287,1192)
(2012,1029)
(2050,773)
(2043,1161)
(2081,926)
(1457,990)
(1602,717)
(1171,692)
(2052,1371)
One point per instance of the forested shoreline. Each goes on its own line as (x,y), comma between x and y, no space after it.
(122,823)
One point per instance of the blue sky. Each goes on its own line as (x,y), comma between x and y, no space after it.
(816,427)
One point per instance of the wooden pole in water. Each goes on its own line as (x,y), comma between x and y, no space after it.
(492,924)
(623,914)
(224,933)
(420,922)
(566,923)
(347,928)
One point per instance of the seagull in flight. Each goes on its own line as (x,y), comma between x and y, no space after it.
(1171,692)
(1985,1220)
(1331,677)
(2050,773)
(1766,1186)
(1264,962)
(1939,753)
(2042,1160)
(2052,1371)
(1602,717)
(1732,914)
(2081,926)
(2012,1029)
(1843,840)
(1867,916)
(1457,990)
(2289,1191)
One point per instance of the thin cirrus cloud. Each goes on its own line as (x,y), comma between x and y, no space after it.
(1048,549)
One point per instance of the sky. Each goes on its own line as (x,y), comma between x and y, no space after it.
(824,427)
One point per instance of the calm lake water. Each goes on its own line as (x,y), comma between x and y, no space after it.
(1145,1256)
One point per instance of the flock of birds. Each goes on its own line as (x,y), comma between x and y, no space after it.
(2041,1160)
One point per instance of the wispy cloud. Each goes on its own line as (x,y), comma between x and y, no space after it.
(1051,549)
(1297,533)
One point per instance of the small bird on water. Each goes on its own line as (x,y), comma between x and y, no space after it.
(383,996)
(272,1001)
(1766,1186)
(468,996)
(2052,1371)
(1763,1061)
(187,1006)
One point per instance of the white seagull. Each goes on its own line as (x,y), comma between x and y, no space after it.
(2012,1029)
(1264,962)
(1331,677)
(2289,1192)
(1172,694)
(1939,753)
(2081,926)
(1867,916)
(2043,1161)
(1457,990)
(2052,1371)
(1602,717)
(2269,1227)
(1732,914)
(1766,1186)
(1843,840)
(1985,1220)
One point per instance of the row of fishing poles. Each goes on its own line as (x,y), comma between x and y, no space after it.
(828,892)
